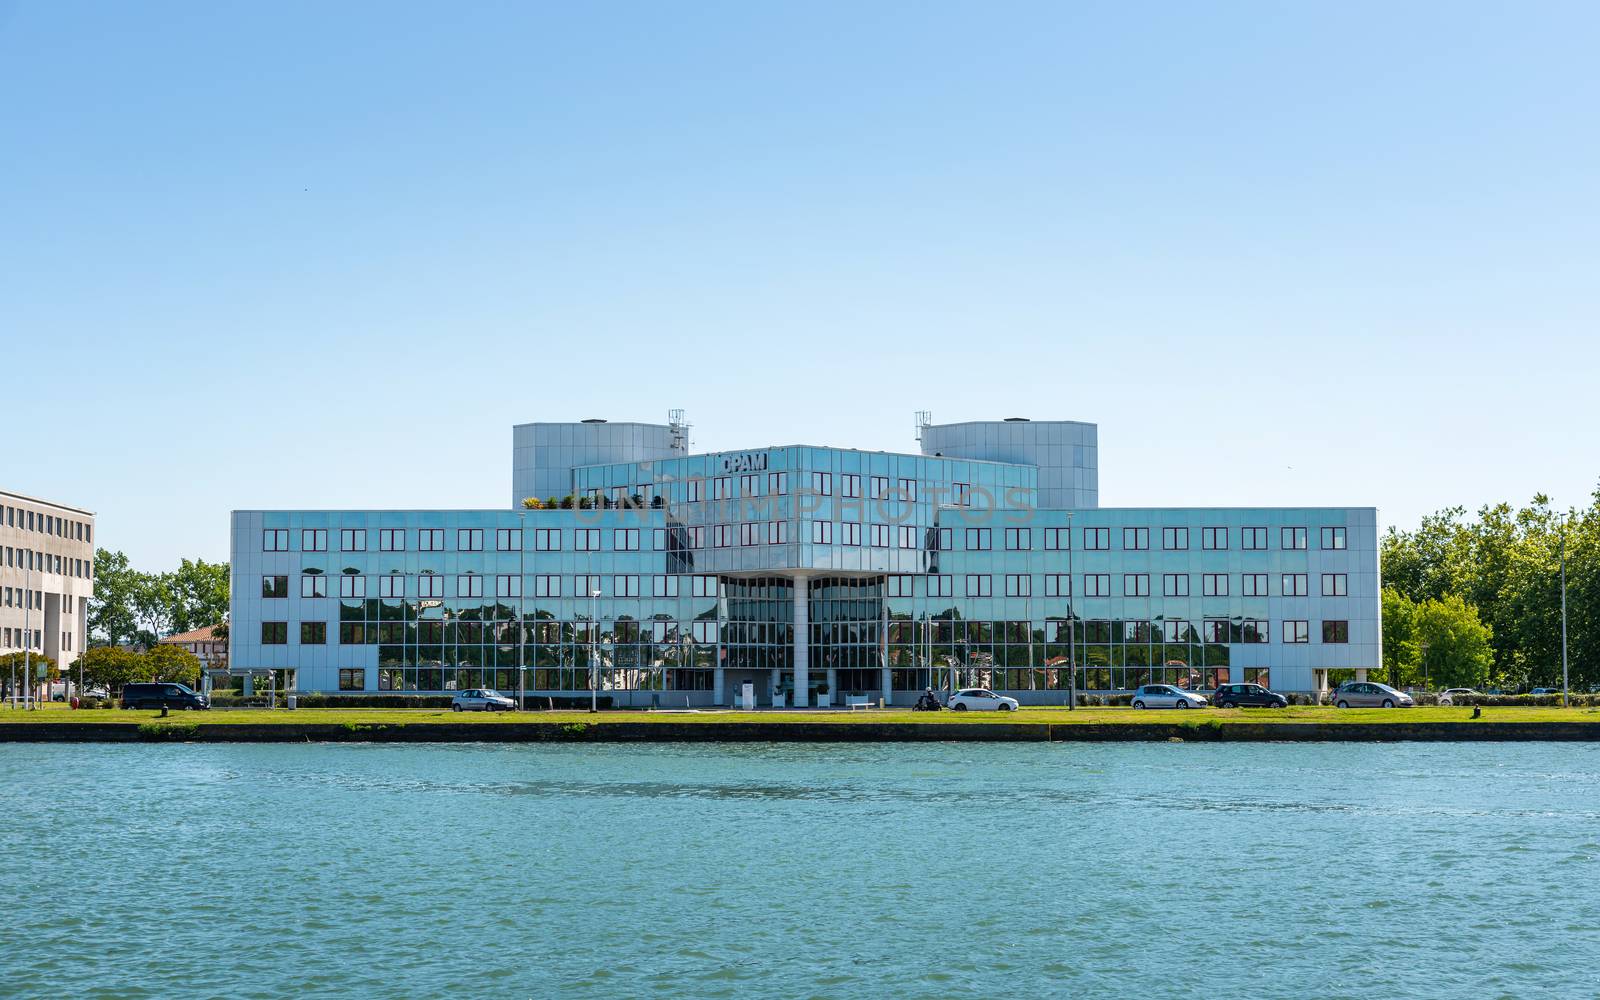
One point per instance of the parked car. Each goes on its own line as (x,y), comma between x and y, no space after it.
(981,700)
(481,700)
(1370,694)
(163,695)
(1247,696)
(1167,696)
(1545,691)
(1448,695)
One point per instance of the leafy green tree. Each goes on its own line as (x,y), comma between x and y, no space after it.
(199,594)
(1399,628)
(111,610)
(17,662)
(163,662)
(1459,651)
(110,667)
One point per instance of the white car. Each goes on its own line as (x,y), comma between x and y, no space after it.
(481,700)
(981,700)
(1448,695)
(1167,696)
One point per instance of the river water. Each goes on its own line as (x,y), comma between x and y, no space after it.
(1148,870)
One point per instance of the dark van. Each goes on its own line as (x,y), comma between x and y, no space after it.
(164,694)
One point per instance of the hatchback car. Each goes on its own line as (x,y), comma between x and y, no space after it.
(1448,695)
(163,695)
(1247,696)
(1167,696)
(981,700)
(1370,694)
(481,700)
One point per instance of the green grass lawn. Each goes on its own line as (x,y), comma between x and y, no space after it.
(1053,715)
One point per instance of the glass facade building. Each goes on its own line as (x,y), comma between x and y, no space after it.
(808,573)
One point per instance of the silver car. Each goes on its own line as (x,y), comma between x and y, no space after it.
(1167,696)
(1370,694)
(481,700)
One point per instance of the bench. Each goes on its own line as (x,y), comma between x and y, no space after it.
(854,702)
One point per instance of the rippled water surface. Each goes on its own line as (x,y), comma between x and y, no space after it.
(794,870)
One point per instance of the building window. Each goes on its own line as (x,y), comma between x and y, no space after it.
(469,585)
(430,540)
(274,633)
(908,490)
(1175,585)
(625,585)
(352,539)
(469,539)
(354,634)
(1057,585)
(586,586)
(1214,585)
(942,539)
(625,539)
(1019,585)
(722,488)
(850,533)
(313,633)
(1096,539)
(547,586)
(1255,584)
(1336,631)
(1294,585)
(879,487)
(1135,539)
(1335,585)
(1136,585)
(664,586)
(314,540)
(777,484)
(1097,585)
(275,540)
(880,536)
(275,586)
(749,486)
(703,586)
(961,494)
(822,532)
(1296,632)
(586,539)
(908,536)
(313,585)
(1294,538)
(1213,538)
(977,539)
(1019,539)
(391,585)
(822,483)
(547,539)
(695,537)
(941,585)
(722,535)
(692,490)
(508,586)
(1254,630)
(899,586)
(1057,539)
(430,585)
(750,533)
(352,679)
(1333,538)
(1174,539)
(352,585)
(508,539)
(850,486)
(391,540)
(1252,539)
(978,585)
(777,532)
(1215,630)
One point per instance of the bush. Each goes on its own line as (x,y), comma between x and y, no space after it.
(1527,700)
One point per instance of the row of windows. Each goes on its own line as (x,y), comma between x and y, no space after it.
(47,524)
(16,638)
(45,562)
(351,585)
(18,597)
(1213,630)
(776,532)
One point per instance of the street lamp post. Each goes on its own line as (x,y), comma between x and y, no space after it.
(1565,692)
(594,650)
(1072,630)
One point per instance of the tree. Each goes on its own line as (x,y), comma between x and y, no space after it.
(1459,651)
(199,594)
(111,610)
(110,667)
(33,662)
(1399,628)
(166,662)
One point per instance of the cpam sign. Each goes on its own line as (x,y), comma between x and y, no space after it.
(743,461)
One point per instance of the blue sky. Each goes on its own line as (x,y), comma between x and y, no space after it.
(300,255)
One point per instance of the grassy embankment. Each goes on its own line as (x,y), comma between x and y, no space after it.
(1056,716)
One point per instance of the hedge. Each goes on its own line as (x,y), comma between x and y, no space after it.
(536,703)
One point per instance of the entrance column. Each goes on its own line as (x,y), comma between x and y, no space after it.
(888,687)
(1361,673)
(716,685)
(802,638)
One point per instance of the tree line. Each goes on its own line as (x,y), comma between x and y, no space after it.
(136,608)
(1483,596)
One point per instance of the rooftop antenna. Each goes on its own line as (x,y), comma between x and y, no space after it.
(680,431)
(924,419)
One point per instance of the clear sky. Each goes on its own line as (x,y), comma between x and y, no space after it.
(311,254)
